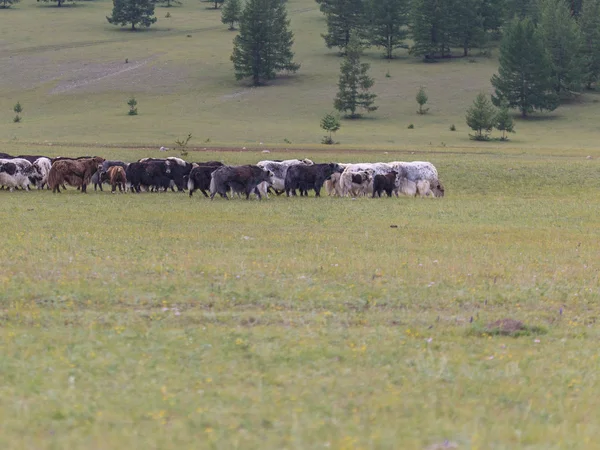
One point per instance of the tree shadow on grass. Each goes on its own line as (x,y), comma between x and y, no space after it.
(54,5)
(539,118)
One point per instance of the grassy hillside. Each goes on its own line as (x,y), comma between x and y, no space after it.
(67,68)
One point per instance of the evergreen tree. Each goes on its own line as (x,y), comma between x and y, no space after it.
(354,83)
(263,46)
(430,28)
(132,12)
(421,100)
(562,40)
(481,117)
(7,3)
(331,124)
(231,13)
(387,28)
(576,7)
(504,122)
(468,31)
(344,17)
(524,78)
(522,9)
(589,22)
(59,3)
(492,13)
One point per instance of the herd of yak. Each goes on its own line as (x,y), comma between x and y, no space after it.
(213,177)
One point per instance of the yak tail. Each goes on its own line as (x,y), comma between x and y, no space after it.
(54,177)
(191,186)
(213,185)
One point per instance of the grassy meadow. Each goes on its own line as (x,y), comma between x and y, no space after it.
(71,77)
(160,321)
(163,322)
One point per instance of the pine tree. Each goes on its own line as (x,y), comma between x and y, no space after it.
(231,13)
(344,17)
(59,3)
(576,7)
(132,12)
(522,9)
(492,14)
(468,20)
(387,28)
(331,124)
(7,3)
(481,117)
(421,100)
(562,39)
(354,83)
(524,78)
(263,46)
(430,28)
(589,22)
(504,122)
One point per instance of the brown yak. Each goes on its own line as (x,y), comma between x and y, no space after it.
(75,172)
(116,175)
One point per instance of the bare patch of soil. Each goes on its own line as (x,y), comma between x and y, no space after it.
(505,326)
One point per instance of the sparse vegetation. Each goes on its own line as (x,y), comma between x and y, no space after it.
(182,144)
(422,99)
(132,103)
(331,124)
(18,109)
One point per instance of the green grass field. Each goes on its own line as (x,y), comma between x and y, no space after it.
(163,322)
(160,321)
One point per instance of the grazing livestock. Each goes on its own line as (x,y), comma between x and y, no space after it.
(304,177)
(149,174)
(77,172)
(279,169)
(418,177)
(200,177)
(238,179)
(387,183)
(16,172)
(116,175)
(41,167)
(355,183)
(178,170)
(102,176)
